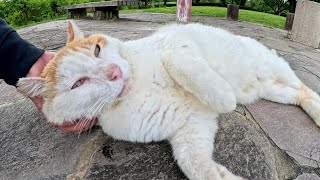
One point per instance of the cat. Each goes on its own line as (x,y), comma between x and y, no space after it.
(170,86)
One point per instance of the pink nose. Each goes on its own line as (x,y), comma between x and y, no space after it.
(113,72)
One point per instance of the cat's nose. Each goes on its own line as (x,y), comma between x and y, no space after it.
(113,72)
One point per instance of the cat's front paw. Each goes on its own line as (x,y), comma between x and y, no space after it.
(219,172)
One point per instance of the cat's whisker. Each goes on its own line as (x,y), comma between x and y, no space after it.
(94,105)
(98,108)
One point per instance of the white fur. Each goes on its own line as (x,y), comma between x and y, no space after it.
(182,77)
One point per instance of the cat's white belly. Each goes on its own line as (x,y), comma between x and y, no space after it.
(146,116)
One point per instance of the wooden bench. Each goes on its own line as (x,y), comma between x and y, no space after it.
(101,10)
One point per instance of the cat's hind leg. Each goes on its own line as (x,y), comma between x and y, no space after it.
(193,147)
(293,92)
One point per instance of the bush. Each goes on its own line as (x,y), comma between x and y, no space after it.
(22,12)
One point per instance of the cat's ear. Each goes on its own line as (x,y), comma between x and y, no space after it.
(31,86)
(73,32)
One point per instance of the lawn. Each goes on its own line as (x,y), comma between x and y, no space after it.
(268,20)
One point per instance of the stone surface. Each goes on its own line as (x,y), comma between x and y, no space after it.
(30,149)
(306,25)
(11,95)
(307,176)
(290,129)
(264,140)
(135,161)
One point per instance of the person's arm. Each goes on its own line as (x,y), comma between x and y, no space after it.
(17,56)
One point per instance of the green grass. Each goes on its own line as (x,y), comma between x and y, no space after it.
(268,20)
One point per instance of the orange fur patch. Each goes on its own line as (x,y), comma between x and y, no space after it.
(280,84)
(84,45)
(303,96)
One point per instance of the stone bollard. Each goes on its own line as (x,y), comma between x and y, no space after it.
(289,21)
(233,12)
(306,25)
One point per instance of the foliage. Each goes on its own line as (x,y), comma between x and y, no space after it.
(277,6)
(21,12)
(269,20)
(239,2)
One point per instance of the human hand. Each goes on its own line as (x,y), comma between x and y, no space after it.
(35,71)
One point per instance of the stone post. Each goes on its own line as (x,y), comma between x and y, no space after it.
(184,10)
(233,12)
(289,21)
(306,24)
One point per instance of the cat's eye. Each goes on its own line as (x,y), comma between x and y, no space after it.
(79,83)
(97,50)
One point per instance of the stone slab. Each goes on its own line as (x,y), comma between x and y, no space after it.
(31,149)
(290,128)
(9,94)
(307,176)
(135,161)
(306,24)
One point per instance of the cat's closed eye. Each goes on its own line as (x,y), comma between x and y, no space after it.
(97,50)
(79,83)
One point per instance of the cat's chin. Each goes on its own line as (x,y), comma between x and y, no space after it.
(78,125)
(125,89)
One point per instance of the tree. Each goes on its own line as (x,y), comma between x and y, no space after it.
(292,5)
(239,2)
(224,3)
(243,2)
(277,6)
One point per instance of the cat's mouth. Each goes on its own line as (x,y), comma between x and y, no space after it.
(78,125)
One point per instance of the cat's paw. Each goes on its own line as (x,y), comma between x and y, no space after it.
(219,172)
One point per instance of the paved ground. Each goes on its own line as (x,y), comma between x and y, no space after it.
(260,141)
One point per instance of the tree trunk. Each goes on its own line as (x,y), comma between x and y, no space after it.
(289,21)
(292,7)
(233,12)
(184,10)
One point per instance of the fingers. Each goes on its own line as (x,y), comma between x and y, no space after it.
(38,102)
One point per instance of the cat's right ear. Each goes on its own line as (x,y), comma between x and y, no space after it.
(73,32)
(31,86)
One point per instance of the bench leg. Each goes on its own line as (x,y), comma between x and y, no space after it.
(77,13)
(106,14)
(99,15)
(115,14)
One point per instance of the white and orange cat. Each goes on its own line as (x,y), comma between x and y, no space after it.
(171,85)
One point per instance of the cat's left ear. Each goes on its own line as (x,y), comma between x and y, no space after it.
(31,86)
(73,32)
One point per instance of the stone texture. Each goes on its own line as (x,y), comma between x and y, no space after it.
(306,25)
(31,149)
(135,161)
(11,95)
(290,129)
(307,176)
(264,140)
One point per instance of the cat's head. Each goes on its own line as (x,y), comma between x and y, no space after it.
(86,76)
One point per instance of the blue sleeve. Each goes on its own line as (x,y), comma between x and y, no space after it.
(16,55)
